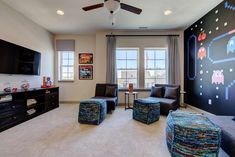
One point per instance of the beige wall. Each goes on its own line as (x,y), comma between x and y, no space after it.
(80,89)
(16,28)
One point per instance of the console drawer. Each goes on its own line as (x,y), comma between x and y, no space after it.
(52,96)
(13,107)
(11,119)
(52,104)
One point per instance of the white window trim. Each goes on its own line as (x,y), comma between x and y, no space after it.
(60,67)
(138,65)
(166,62)
(141,65)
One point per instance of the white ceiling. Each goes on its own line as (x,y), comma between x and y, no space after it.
(76,21)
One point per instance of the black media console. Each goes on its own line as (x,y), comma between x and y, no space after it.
(20,106)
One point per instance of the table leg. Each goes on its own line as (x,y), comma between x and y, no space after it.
(125,101)
(128,100)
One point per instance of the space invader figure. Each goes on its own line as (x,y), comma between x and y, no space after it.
(231,45)
(217,77)
(201,53)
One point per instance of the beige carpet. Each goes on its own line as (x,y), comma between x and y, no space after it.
(58,134)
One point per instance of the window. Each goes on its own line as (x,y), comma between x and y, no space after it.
(127,66)
(155,66)
(66,65)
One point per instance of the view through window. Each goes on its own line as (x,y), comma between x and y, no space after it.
(127,66)
(66,65)
(143,70)
(155,67)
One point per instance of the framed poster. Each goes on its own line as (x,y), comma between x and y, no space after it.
(86,72)
(85,58)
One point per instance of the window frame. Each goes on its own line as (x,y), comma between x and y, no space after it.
(138,66)
(60,66)
(155,59)
(141,65)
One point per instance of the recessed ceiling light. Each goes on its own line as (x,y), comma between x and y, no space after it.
(60,12)
(167,12)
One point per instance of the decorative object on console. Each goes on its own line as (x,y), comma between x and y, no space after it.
(85,58)
(46,82)
(5,98)
(7,87)
(25,85)
(130,87)
(86,72)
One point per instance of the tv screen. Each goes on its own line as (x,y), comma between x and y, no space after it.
(16,59)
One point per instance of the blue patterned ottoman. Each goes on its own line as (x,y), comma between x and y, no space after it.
(92,111)
(146,110)
(192,135)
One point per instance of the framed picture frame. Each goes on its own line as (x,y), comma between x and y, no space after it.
(85,58)
(85,72)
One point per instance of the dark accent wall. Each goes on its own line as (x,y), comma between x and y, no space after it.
(210,61)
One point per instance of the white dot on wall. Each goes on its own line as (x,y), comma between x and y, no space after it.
(226,23)
(191,29)
(201,29)
(217,97)
(217,88)
(201,44)
(216,20)
(210,32)
(201,72)
(201,65)
(195,26)
(216,12)
(209,101)
(201,86)
(200,93)
(207,72)
(201,22)
(231,70)
(217,28)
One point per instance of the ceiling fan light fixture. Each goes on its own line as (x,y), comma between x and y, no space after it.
(60,12)
(112,5)
(167,12)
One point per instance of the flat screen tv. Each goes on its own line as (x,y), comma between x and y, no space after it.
(15,59)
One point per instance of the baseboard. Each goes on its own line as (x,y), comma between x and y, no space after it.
(69,102)
(199,110)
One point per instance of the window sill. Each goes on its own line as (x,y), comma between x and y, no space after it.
(69,81)
(136,90)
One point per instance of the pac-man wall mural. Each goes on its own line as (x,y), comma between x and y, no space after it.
(210,61)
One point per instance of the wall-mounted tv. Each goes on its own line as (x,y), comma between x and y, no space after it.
(15,59)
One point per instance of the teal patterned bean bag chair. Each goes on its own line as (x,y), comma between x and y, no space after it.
(146,110)
(192,135)
(92,111)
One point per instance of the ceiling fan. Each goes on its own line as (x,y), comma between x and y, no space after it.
(113,6)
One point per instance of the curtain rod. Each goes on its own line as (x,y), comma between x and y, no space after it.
(112,35)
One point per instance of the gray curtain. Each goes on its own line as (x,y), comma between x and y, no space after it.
(111,60)
(174,60)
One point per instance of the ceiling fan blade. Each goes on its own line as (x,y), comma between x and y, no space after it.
(93,7)
(130,8)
